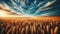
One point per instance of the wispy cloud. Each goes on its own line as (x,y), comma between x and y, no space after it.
(47,14)
(5,9)
(17,7)
(46,5)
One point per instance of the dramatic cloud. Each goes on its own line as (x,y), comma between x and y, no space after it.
(30,7)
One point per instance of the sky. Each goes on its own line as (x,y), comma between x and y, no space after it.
(32,7)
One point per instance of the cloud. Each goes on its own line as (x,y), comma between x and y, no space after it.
(46,5)
(5,9)
(47,14)
(4,6)
(18,7)
(50,3)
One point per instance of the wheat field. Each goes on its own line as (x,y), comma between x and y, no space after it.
(45,25)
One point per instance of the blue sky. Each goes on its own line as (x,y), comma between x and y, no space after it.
(34,7)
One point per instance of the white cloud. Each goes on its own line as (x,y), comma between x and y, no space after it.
(18,7)
(47,14)
(13,2)
(46,5)
(49,3)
